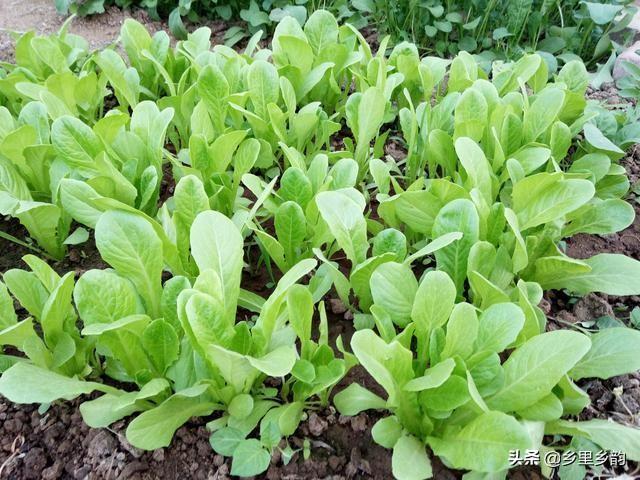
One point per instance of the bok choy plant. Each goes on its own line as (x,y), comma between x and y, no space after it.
(297,223)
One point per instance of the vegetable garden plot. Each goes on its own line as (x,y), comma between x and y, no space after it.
(441,258)
(495,29)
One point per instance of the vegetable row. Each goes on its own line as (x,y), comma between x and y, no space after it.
(493,28)
(278,154)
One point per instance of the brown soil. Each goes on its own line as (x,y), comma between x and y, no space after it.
(626,242)
(79,258)
(59,445)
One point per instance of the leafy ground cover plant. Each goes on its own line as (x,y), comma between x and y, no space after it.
(629,84)
(503,29)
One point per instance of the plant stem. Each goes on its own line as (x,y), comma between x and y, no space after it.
(24,244)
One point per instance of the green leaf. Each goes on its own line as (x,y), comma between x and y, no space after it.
(434,245)
(125,81)
(75,196)
(355,399)
(216,244)
(573,398)
(190,199)
(129,244)
(537,366)
(250,458)
(457,216)
(27,289)
(539,117)
(344,216)
(176,25)
(266,322)
(17,334)
(205,314)
(390,240)
(57,309)
(613,352)
(434,301)
(102,296)
(607,434)
(304,371)
(75,142)
(483,444)
(547,409)
(602,13)
(80,235)
(42,220)
(532,158)
(295,186)
(161,343)
(476,166)
(387,431)
(390,364)
(433,377)
(470,116)
(500,33)
(393,287)
(361,276)
(226,440)
(291,229)
(409,460)
(596,138)
(321,30)
(609,273)
(499,327)
(546,197)
(370,115)
(26,383)
(132,323)
(109,408)
(601,218)
(155,428)
(8,315)
(263,84)
(213,88)
(452,394)
(241,405)
(150,125)
(276,363)
(462,331)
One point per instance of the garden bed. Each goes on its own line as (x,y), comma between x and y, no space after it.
(58,444)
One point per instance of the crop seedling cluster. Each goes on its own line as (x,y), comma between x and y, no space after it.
(278,159)
(497,29)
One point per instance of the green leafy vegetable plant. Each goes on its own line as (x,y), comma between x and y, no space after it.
(458,395)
